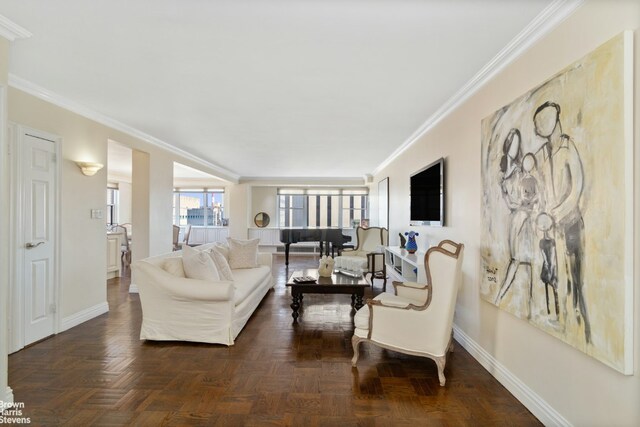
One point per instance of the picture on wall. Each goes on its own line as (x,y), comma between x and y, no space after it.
(557,214)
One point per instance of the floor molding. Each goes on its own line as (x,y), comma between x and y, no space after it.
(84,315)
(529,398)
(8,397)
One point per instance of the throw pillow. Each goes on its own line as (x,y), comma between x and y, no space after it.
(174,266)
(223,248)
(243,253)
(221,264)
(198,264)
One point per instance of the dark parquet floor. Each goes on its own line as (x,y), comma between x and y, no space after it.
(277,373)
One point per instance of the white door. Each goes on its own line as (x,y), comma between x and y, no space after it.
(38,238)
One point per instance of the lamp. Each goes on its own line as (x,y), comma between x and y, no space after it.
(89,168)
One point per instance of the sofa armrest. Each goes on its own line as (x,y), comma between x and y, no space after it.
(265,258)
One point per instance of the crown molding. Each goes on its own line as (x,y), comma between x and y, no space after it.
(118,177)
(12,31)
(547,20)
(67,104)
(302,180)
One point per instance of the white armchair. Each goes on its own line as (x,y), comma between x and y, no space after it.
(365,258)
(418,319)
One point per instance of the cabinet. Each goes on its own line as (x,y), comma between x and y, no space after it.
(267,236)
(404,266)
(114,265)
(202,235)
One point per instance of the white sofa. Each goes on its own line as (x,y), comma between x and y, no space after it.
(176,308)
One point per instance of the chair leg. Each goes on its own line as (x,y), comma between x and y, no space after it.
(355,342)
(441,362)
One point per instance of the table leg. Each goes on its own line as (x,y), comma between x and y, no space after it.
(295,305)
(359,302)
(353,300)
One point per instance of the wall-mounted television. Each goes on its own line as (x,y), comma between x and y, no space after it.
(427,195)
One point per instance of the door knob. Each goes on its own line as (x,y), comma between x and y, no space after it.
(33,245)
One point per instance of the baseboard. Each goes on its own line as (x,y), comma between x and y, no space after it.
(530,399)
(133,288)
(8,397)
(84,315)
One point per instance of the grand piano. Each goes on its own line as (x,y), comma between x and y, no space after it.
(326,237)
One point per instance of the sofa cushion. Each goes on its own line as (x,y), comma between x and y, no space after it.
(174,266)
(361,319)
(243,253)
(246,280)
(198,265)
(224,271)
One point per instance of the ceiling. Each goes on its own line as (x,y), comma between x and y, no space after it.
(120,168)
(265,89)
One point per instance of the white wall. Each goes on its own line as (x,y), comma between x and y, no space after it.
(160,203)
(238,210)
(5,391)
(124,207)
(580,389)
(264,199)
(140,193)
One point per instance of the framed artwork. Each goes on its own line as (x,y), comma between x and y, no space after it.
(557,205)
(383,203)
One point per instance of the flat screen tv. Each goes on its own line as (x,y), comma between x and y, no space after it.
(427,195)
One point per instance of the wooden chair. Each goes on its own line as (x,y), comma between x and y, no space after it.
(176,234)
(125,246)
(368,243)
(418,318)
(185,237)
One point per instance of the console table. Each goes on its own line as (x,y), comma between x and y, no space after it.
(404,266)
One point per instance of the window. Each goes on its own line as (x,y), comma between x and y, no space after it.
(113,197)
(354,208)
(321,207)
(292,210)
(198,207)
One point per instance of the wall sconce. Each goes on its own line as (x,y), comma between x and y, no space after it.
(89,168)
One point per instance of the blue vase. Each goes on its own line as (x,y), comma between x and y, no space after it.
(411,246)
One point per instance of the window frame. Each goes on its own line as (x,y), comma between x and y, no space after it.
(205,195)
(112,208)
(331,195)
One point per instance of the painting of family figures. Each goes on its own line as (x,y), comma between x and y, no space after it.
(556,210)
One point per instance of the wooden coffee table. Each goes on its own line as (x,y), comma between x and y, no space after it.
(336,284)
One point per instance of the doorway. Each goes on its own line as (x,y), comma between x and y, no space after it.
(35,235)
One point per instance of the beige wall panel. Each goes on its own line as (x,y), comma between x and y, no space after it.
(581,389)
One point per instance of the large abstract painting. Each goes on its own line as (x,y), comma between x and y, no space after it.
(557,214)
